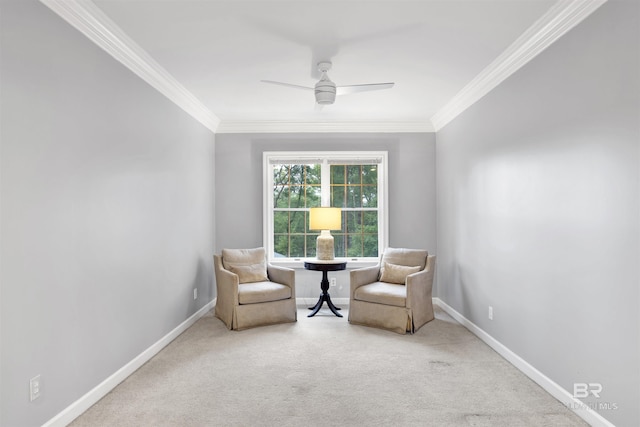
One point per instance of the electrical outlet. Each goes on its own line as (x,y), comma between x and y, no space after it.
(195,293)
(333,281)
(490,313)
(34,388)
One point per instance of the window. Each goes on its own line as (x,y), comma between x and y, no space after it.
(298,181)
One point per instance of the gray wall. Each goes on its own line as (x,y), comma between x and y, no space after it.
(106,216)
(107,210)
(538,211)
(239,189)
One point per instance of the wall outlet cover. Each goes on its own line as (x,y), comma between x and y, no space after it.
(34,388)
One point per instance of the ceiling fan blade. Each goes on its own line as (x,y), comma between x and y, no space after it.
(343,90)
(287,84)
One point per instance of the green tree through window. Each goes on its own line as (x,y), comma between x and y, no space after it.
(296,188)
(354,188)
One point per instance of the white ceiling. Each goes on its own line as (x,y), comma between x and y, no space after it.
(219,50)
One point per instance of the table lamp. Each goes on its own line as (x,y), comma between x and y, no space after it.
(325,219)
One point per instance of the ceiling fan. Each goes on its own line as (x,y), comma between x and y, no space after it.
(326,90)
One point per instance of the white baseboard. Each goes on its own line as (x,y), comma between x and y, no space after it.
(78,407)
(577,406)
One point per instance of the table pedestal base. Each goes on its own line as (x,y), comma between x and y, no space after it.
(324,297)
(324,284)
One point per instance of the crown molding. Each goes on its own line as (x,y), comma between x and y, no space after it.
(268,126)
(86,17)
(557,21)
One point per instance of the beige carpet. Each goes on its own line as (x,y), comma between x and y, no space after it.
(322,371)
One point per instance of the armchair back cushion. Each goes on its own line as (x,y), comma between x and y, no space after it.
(249,264)
(393,273)
(406,257)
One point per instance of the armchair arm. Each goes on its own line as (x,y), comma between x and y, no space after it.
(283,275)
(420,285)
(363,276)
(227,291)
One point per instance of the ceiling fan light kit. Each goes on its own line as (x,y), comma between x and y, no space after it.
(325,90)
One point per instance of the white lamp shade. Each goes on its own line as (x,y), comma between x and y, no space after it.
(325,219)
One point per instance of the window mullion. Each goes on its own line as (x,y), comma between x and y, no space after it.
(325,182)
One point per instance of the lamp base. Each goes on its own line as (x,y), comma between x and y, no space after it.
(324,246)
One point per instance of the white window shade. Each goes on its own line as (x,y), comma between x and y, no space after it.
(294,161)
(357,161)
(342,158)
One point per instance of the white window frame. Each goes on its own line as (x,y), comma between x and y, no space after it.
(324,157)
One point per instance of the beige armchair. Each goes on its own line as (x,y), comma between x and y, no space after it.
(251,292)
(396,293)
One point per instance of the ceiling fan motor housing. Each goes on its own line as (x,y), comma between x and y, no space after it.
(325,91)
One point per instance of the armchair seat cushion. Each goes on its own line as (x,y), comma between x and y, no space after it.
(257,292)
(382,293)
